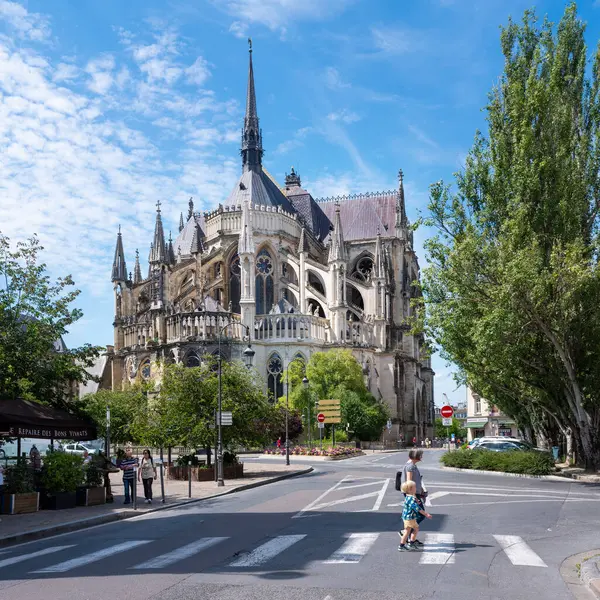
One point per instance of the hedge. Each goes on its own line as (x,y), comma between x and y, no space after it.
(517,461)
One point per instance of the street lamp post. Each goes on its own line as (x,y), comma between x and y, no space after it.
(107,440)
(287,406)
(305,384)
(248,355)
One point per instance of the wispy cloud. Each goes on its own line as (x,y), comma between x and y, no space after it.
(199,72)
(239,29)
(25,25)
(422,137)
(345,115)
(390,41)
(333,79)
(297,141)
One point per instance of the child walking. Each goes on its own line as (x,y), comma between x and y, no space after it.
(409,515)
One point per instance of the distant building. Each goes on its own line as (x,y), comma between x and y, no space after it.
(460,412)
(485,420)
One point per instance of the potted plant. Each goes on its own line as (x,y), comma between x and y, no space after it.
(61,475)
(92,490)
(19,495)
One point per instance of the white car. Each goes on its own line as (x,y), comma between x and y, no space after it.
(78,448)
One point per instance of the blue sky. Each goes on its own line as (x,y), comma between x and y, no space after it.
(108,106)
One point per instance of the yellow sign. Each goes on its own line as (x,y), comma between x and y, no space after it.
(331,403)
(329,420)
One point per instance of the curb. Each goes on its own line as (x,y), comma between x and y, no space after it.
(501,474)
(580,477)
(44,532)
(581,574)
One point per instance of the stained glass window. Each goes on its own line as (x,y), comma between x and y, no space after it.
(145,370)
(234,283)
(265,287)
(274,381)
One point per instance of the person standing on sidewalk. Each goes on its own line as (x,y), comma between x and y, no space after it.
(147,473)
(128,465)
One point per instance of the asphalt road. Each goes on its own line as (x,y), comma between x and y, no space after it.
(330,535)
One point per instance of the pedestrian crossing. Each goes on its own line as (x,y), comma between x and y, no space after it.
(438,549)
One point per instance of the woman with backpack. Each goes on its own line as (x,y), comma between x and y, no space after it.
(147,473)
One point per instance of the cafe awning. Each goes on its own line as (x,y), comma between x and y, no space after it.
(21,418)
(476,424)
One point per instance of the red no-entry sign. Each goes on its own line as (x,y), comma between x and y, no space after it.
(447,412)
(321,418)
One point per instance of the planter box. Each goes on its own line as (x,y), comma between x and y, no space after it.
(61,501)
(18,504)
(199,474)
(91,496)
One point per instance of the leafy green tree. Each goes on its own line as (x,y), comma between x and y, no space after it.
(514,280)
(34,314)
(442,432)
(366,416)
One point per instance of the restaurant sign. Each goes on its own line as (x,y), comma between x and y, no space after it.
(57,433)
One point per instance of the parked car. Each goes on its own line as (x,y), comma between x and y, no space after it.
(78,448)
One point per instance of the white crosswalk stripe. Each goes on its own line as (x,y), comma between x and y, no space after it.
(86,559)
(164,560)
(438,549)
(354,549)
(13,560)
(267,551)
(518,552)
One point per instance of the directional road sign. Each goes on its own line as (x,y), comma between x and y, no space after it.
(331,411)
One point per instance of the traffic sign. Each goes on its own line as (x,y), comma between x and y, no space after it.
(447,412)
(331,411)
(447,422)
(321,418)
(226,418)
(321,425)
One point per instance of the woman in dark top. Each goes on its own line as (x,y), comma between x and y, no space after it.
(410,472)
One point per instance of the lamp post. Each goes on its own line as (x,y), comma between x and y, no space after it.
(305,384)
(248,355)
(287,405)
(107,440)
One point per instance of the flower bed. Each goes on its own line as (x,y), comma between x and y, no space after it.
(337,452)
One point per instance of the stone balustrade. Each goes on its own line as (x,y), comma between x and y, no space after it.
(291,326)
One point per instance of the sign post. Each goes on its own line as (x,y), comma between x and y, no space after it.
(332,414)
(447,412)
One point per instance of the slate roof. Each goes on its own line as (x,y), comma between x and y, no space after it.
(361,215)
(314,217)
(186,236)
(259,189)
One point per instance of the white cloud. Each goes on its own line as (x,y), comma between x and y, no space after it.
(239,29)
(199,72)
(345,115)
(422,136)
(66,72)
(333,79)
(276,14)
(296,141)
(100,71)
(26,25)
(396,41)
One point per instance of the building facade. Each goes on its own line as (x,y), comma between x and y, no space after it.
(302,275)
(484,419)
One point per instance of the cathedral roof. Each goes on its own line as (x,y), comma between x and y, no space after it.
(363,215)
(185,239)
(258,188)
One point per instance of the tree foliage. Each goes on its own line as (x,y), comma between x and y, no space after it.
(513,284)
(445,432)
(35,313)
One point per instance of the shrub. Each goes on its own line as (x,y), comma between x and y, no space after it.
(93,476)
(19,478)
(184,461)
(62,472)
(518,461)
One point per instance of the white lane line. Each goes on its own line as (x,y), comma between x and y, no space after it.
(354,549)
(518,552)
(498,502)
(358,485)
(267,551)
(345,500)
(433,496)
(483,487)
(381,495)
(180,553)
(93,557)
(17,559)
(315,502)
(438,549)
(461,493)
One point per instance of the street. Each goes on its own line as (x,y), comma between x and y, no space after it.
(329,535)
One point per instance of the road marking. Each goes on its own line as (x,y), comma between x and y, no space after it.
(314,502)
(438,549)
(354,549)
(345,500)
(358,485)
(433,496)
(516,502)
(267,551)
(180,553)
(518,552)
(381,495)
(17,559)
(93,557)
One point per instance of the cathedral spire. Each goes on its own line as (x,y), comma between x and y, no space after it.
(338,249)
(158,247)
(137,271)
(246,241)
(190,209)
(119,269)
(401,220)
(181,223)
(170,251)
(252,149)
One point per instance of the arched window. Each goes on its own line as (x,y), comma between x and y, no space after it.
(234,283)
(145,371)
(265,296)
(363,269)
(274,381)
(192,360)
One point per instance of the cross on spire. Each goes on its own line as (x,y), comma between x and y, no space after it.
(400,176)
(158,205)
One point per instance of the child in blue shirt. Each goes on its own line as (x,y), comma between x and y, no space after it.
(409,515)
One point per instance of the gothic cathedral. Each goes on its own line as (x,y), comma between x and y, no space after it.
(302,275)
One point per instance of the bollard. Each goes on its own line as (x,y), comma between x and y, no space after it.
(190,479)
(134,488)
(162,480)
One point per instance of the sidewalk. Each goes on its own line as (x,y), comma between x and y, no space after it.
(44,523)
(578,474)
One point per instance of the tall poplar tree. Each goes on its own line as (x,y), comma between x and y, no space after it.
(513,290)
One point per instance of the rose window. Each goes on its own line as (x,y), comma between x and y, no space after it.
(264,265)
